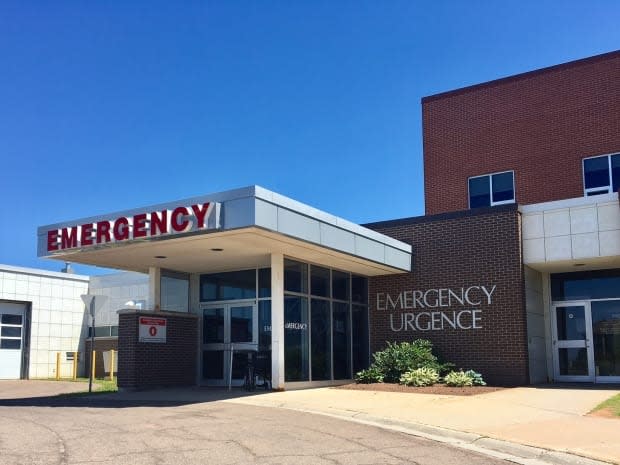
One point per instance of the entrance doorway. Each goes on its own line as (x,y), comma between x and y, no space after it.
(229,337)
(586,340)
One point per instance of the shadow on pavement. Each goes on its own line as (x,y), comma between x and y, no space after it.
(164,397)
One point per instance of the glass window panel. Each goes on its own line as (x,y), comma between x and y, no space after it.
(264,325)
(10,319)
(340,285)
(241,324)
(602,284)
(571,323)
(596,172)
(573,361)
(503,187)
(11,331)
(233,285)
(114,331)
(264,282)
(319,281)
(606,335)
(479,192)
(213,325)
(10,343)
(296,351)
(321,340)
(174,294)
(213,364)
(102,331)
(615,173)
(295,277)
(359,289)
(239,364)
(359,328)
(341,338)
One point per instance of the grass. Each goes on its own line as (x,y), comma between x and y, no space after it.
(612,405)
(99,385)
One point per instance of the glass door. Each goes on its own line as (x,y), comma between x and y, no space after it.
(229,336)
(572,340)
(606,340)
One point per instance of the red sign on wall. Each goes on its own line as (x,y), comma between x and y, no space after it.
(152,329)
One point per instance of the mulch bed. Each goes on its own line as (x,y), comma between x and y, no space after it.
(436,389)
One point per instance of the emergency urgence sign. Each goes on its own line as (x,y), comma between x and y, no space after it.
(152,329)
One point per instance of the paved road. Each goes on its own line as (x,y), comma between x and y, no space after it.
(80,431)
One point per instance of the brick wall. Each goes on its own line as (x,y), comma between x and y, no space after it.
(144,364)
(454,251)
(539,124)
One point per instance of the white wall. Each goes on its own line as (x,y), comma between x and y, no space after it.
(571,230)
(535,310)
(119,288)
(57,314)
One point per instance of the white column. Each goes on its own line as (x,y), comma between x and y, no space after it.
(277,321)
(154,288)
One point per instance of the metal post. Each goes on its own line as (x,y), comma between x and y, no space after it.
(92,347)
(232,351)
(57,366)
(112,365)
(75,363)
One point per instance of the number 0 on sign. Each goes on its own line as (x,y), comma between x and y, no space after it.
(152,329)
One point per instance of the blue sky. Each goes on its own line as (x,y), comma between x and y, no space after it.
(106,106)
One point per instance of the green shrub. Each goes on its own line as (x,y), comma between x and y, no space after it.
(398,358)
(368,376)
(476,378)
(458,379)
(420,377)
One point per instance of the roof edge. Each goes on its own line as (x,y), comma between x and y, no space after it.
(524,75)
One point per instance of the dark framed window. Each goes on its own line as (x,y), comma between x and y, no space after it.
(491,189)
(235,285)
(601,175)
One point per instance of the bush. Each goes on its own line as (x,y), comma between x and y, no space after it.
(420,377)
(458,379)
(371,375)
(397,359)
(476,378)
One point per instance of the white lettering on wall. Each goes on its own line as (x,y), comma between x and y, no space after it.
(467,315)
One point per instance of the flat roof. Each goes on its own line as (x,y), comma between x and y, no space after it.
(248,223)
(45,273)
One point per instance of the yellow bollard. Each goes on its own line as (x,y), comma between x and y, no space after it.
(92,364)
(75,363)
(57,366)
(112,365)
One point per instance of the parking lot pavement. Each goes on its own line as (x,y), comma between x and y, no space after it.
(104,430)
(20,388)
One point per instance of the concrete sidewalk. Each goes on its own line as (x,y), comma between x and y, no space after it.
(548,418)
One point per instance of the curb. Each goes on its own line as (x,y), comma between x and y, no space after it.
(496,448)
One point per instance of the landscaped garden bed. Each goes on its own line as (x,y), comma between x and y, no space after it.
(435,389)
(413,367)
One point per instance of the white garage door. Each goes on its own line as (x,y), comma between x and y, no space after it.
(12,317)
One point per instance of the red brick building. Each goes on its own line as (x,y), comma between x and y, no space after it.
(514,271)
(540,125)
(547,144)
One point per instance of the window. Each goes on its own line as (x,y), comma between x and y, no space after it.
(491,189)
(601,175)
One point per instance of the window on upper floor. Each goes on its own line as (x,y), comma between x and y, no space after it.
(491,189)
(601,175)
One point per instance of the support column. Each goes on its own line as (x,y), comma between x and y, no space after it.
(277,321)
(154,302)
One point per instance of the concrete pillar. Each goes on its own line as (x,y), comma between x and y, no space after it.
(154,288)
(277,321)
